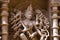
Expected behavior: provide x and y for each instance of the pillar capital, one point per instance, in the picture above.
(54, 4)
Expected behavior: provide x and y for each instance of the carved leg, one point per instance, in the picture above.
(23, 37)
(38, 31)
(42, 38)
(46, 37)
(33, 34)
(34, 37)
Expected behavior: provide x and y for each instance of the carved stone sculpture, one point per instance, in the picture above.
(28, 28)
(43, 25)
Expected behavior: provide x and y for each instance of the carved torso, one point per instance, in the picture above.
(28, 24)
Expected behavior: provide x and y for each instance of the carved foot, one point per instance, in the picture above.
(23, 37)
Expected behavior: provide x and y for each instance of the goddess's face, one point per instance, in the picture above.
(28, 16)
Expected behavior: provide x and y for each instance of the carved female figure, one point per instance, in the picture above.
(28, 23)
(26, 28)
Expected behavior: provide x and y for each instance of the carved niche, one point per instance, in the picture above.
(28, 25)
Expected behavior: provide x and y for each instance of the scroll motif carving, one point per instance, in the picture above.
(29, 25)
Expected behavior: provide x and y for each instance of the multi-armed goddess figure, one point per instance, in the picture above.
(27, 27)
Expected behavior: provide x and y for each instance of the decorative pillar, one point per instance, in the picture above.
(5, 15)
(55, 27)
(55, 11)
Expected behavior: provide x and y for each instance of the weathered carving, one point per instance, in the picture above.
(43, 25)
(28, 28)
